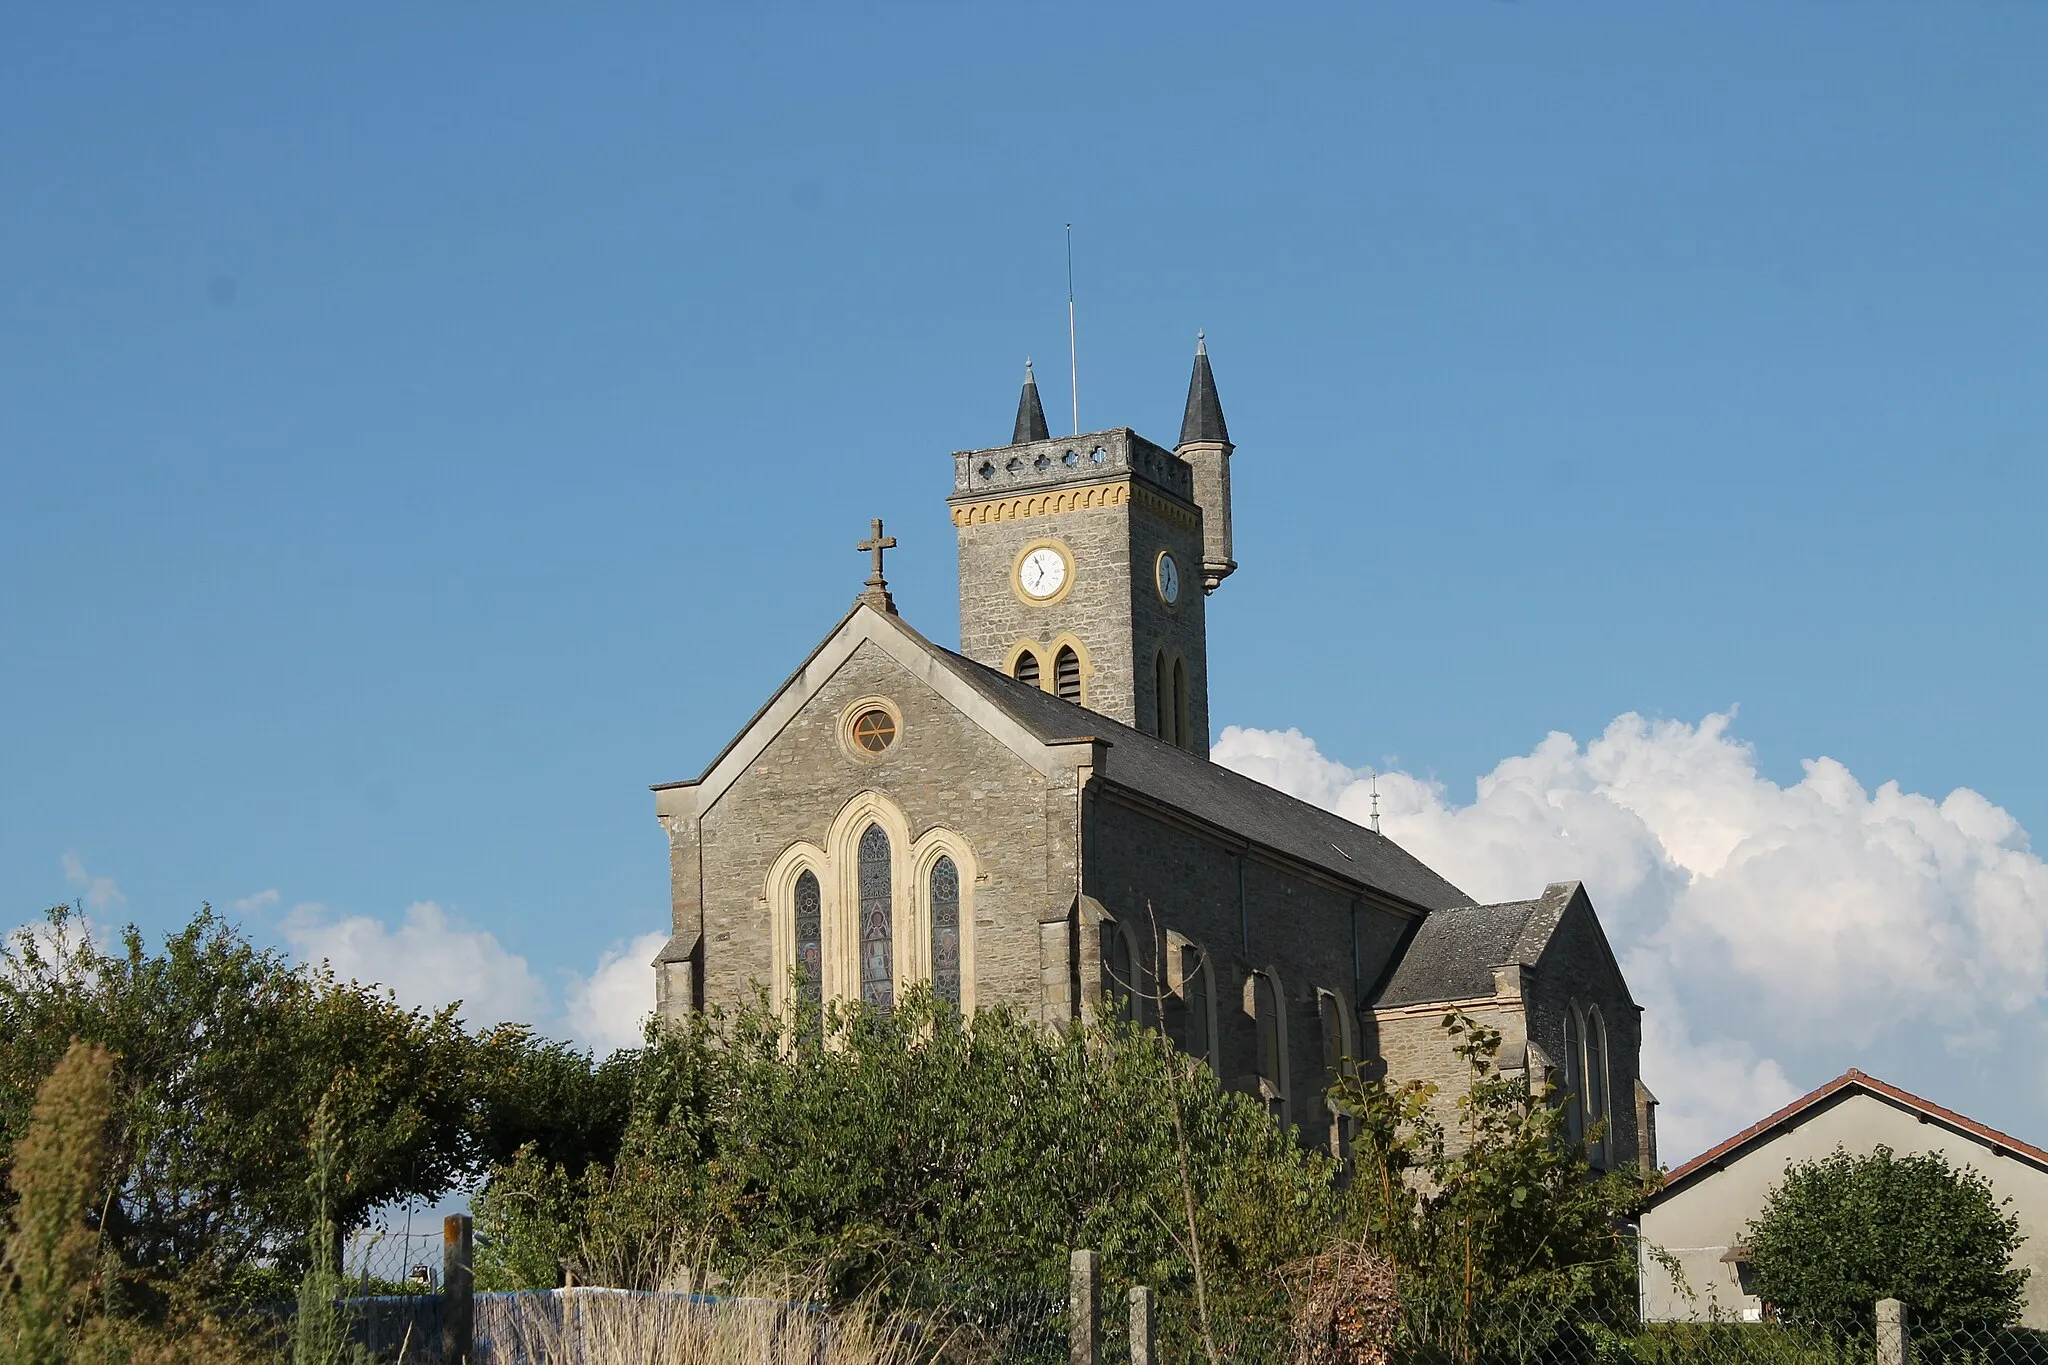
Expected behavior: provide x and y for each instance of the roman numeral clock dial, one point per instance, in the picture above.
(1042, 573)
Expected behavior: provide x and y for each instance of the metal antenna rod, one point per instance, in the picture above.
(1073, 356)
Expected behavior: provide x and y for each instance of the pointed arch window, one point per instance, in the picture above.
(810, 941)
(1599, 1141)
(1272, 1044)
(877, 920)
(1119, 987)
(1025, 670)
(1066, 674)
(1574, 1096)
(945, 902)
(1162, 697)
(1197, 997)
(1180, 702)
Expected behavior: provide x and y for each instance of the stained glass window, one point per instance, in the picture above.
(810, 950)
(877, 921)
(946, 931)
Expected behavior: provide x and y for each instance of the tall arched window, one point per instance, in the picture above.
(1180, 703)
(1026, 667)
(810, 941)
(1272, 1040)
(1066, 674)
(1598, 1117)
(1118, 986)
(877, 921)
(945, 902)
(1337, 1059)
(1195, 995)
(1574, 1060)
(1162, 697)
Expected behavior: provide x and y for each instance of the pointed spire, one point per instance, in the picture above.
(1030, 413)
(1203, 420)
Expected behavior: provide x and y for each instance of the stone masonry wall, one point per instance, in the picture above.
(942, 770)
(1300, 928)
(1575, 967)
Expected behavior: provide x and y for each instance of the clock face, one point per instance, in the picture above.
(1043, 572)
(1169, 579)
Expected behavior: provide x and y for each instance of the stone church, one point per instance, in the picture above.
(1033, 820)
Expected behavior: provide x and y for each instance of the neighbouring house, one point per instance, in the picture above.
(1700, 1215)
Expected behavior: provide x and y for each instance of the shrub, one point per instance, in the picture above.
(918, 1155)
(1839, 1233)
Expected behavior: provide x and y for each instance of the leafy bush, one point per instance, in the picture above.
(1841, 1232)
(226, 1051)
(916, 1156)
(1500, 1232)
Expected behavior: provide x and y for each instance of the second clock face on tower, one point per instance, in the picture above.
(1042, 573)
(1167, 575)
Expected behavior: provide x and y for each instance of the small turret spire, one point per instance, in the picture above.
(1030, 413)
(1203, 419)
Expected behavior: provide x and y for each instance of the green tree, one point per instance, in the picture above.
(227, 1050)
(1497, 1226)
(920, 1156)
(1841, 1232)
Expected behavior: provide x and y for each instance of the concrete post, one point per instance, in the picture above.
(1891, 1332)
(458, 1291)
(1141, 1326)
(1084, 1322)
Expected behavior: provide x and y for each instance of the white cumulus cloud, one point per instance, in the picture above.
(609, 1008)
(430, 959)
(1769, 931)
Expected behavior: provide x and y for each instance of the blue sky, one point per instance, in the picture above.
(419, 431)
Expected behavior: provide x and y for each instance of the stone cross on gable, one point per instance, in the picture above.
(877, 590)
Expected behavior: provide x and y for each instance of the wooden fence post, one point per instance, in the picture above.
(1142, 1322)
(1891, 1332)
(458, 1291)
(1084, 1322)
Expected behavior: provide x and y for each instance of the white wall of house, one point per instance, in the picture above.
(1698, 1222)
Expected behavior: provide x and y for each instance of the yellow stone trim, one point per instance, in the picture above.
(1056, 500)
(1044, 504)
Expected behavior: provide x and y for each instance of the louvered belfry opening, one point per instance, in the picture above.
(1026, 668)
(1066, 674)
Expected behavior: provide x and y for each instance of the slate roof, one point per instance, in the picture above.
(1214, 794)
(1454, 951)
(1203, 418)
(1152, 768)
(1030, 413)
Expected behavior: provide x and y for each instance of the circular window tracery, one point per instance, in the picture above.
(874, 730)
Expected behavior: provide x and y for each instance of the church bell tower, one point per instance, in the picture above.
(1086, 561)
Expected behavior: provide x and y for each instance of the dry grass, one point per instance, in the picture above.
(618, 1327)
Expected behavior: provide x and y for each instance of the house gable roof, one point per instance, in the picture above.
(1850, 1083)
(1045, 731)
